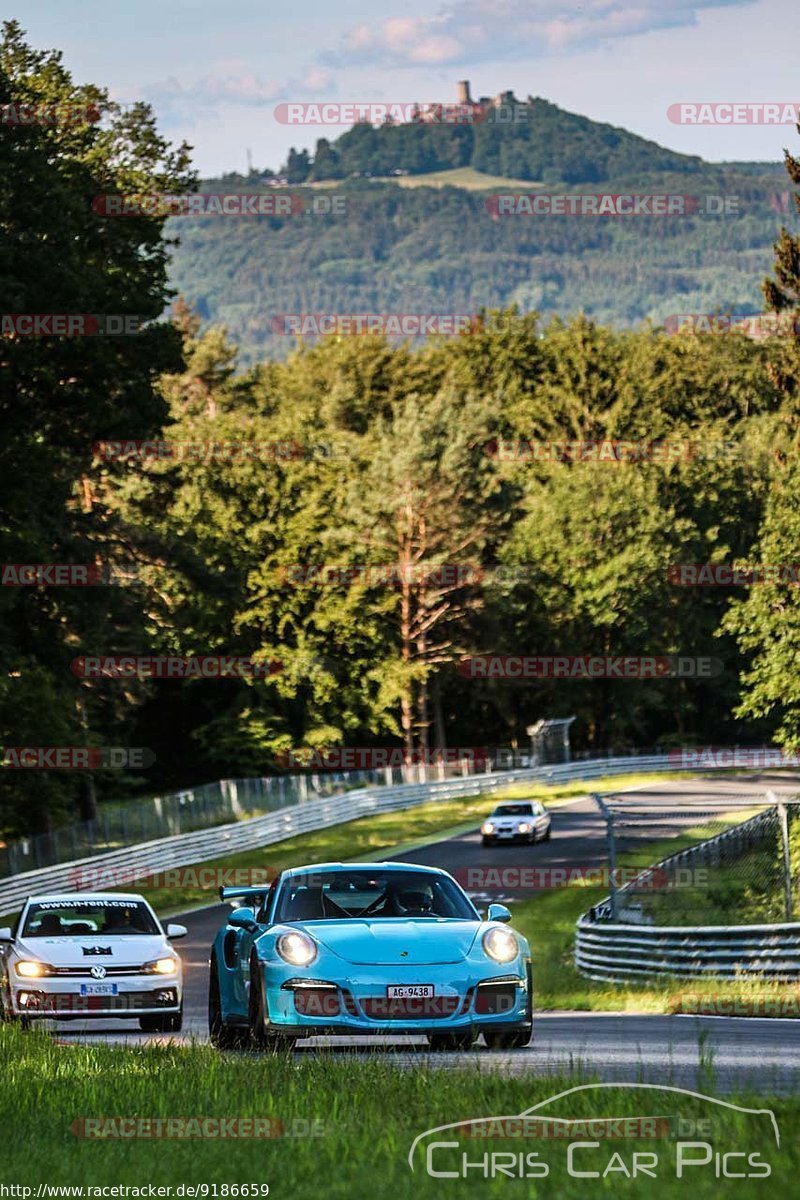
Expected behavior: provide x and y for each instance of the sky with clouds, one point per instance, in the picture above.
(214, 71)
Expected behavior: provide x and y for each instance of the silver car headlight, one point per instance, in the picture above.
(500, 944)
(524, 827)
(296, 948)
(487, 827)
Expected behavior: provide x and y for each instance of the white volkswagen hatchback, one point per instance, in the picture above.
(85, 955)
(517, 821)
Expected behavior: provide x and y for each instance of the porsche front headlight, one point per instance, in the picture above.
(500, 944)
(28, 969)
(296, 948)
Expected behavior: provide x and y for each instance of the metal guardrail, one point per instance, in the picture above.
(189, 849)
(227, 800)
(187, 811)
(617, 952)
(632, 953)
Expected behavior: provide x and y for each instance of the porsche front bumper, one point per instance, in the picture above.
(306, 1005)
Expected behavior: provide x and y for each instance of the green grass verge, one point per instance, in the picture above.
(364, 1115)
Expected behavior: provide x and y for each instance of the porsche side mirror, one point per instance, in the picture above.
(243, 918)
(499, 912)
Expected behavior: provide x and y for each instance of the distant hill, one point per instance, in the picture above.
(433, 245)
(542, 142)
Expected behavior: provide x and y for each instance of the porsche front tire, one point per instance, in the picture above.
(464, 1039)
(515, 1039)
(261, 1036)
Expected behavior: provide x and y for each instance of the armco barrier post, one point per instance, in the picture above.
(612, 851)
(787, 863)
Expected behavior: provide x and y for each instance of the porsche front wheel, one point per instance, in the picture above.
(515, 1039)
(261, 1035)
(464, 1039)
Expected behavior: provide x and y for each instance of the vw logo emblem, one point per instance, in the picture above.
(98, 972)
(404, 954)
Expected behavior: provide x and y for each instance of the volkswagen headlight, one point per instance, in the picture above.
(161, 966)
(500, 944)
(296, 948)
(28, 969)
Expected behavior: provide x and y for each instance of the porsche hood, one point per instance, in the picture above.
(396, 942)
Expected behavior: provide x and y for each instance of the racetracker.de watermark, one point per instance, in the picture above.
(544, 1128)
(77, 758)
(388, 324)
(608, 451)
(522, 877)
(444, 575)
(736, 112)
(218, 204)
(608, 204)
(165, 666)
(100, 878)
(522, 668)
(717, 1004)
(282, 450)
(197, 1129)
(753, 325)
(727, 575)
(70, 324)
(25, 113)
(65, 574)
(756, 758)
(377, 758)
(354, 112)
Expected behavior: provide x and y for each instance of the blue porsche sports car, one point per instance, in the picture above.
(367, 948)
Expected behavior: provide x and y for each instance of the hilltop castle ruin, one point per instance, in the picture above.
(463, 97)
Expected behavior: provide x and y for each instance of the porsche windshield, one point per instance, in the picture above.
(371, 894)
(79, 918)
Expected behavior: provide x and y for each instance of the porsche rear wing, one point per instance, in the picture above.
(242, 893)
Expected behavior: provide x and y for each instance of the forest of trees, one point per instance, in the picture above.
(395, 460)
(440, 250)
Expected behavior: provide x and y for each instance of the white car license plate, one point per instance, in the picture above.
(410, 991)
(98, 989)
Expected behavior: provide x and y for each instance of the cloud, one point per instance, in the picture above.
(230, 82)
(491, 30)
(317, 79)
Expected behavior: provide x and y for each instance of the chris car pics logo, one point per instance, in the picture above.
(662, 1132)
